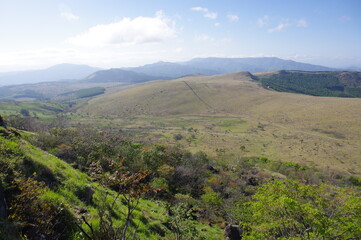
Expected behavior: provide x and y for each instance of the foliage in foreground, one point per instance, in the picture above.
(192, 191)
(290, 210)
(60, 198)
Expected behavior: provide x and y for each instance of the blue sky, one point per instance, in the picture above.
(115, 33)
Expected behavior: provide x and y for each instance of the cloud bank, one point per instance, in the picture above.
(140, 30)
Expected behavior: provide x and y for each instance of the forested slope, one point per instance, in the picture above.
(327, 84)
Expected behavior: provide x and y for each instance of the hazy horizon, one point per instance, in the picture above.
(104, 68)
(111, 34)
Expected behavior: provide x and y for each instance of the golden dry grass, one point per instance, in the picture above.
(234, 115)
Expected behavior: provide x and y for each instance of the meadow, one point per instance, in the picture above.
(233, 115)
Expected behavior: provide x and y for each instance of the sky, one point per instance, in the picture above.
(36, 34)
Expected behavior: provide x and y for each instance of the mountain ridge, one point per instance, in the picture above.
(63, 71)
(159, 70)
(214, 66)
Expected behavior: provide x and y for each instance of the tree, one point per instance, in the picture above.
(2, 122)
(25, 112)
(181, 216)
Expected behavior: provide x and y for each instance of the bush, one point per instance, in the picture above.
(178, 137)
(355, 181)
(292, 210)
(25, 112)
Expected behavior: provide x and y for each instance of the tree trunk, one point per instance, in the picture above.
(3, 212)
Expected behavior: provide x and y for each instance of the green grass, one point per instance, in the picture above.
(66, 186)
(233, 124)
(89, 92)
(39, 109)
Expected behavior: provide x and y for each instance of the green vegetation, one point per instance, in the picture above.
(326, 84)
(291, 210)
(107, 187)
(355, 92)
(68, 197)
(41, 110)
(89, 92)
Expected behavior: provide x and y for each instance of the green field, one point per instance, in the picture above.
(37, 109)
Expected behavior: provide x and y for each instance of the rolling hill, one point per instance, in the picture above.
(172, 70)
(118, 75)
(233, 114)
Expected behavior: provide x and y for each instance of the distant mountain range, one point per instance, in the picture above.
(204, 66)
(159, 70)
(229, 65)
(58, 72)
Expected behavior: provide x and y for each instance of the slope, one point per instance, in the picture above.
(66, 192)
(233, 114)
(118, 75)
(172, 70)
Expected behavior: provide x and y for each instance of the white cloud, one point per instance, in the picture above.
(263, 21)
(280, 27)
(302, 23)
(69, 16)
(217, 24)
(232, 17)
(207, 13)
(199, 9)
(128, 31)
(211, 15)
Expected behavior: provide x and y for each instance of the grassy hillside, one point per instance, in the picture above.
(47, 197)
(82, 93)
(104, 186)
(233, 115)
(39, 109)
